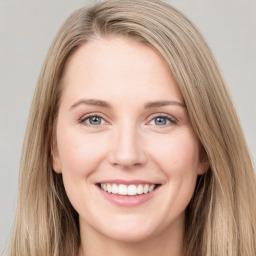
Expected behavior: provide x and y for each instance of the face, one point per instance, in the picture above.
(124, 142)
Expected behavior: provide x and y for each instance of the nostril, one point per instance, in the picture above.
(127, 152)
(128, 161)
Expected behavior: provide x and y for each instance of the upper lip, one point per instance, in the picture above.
(126, 182)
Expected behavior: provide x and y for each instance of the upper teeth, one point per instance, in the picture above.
(130, 190)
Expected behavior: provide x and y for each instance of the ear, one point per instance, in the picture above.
(203, 162)
(55, 157)
(202, 168)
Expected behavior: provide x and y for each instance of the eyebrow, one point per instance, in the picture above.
(101, 103)
(93, 102)
(164, 103)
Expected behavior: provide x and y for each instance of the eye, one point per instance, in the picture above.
(94, 120)
(162, 120)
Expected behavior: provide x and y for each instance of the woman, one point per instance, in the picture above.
(133, 145)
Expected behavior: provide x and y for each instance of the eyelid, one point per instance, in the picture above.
(86, 116)
(172, 119)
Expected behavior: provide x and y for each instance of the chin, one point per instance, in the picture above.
(134, 236)
(130, 231)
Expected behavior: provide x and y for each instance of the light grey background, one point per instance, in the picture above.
(27, 29)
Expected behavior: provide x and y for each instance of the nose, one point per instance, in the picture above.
(127, 149)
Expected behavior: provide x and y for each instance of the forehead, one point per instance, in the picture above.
(119, 67)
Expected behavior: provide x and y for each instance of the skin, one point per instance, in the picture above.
(128, 144)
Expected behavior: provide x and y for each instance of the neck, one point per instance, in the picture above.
(166, 243)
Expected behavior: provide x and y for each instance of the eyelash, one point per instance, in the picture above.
(169, 118)
(87, 117)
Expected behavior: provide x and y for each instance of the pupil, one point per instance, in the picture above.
(95, 120)
(160, 120)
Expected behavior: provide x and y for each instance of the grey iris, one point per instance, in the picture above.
(160, 120)
(95, 120)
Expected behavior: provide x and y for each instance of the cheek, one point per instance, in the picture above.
(178, 158)
(79, 153)
(177, 154)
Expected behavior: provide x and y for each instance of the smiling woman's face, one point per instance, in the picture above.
(123, 127)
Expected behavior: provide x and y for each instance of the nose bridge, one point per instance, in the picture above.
(127, 149)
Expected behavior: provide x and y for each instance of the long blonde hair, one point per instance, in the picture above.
(221, 217)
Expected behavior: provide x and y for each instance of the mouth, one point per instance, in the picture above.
(130, 190)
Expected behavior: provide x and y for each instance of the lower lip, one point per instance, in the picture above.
(128, 201)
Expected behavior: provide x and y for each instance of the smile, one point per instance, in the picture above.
(127, 194)
(131, 190)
